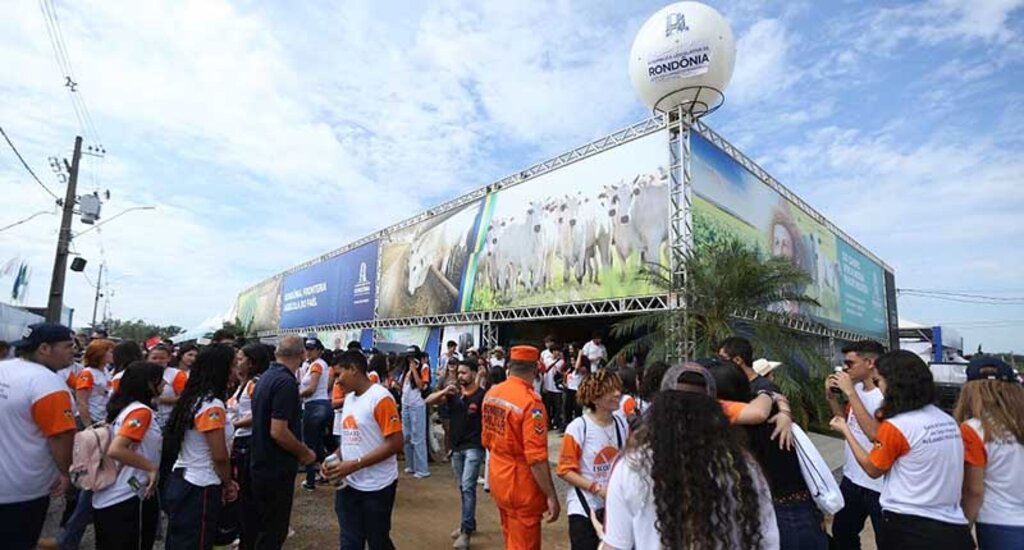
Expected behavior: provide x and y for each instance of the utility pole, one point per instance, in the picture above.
(96, 301)
(60, 261)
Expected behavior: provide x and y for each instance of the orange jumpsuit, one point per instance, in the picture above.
(515, 431)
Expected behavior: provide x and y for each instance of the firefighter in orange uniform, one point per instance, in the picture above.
(515, 431)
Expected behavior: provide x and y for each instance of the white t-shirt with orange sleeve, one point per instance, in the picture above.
(322, 391)
(245, 407)
(174, 384)
(1003, 460)
(35, 405)
(589, 450)
(922, 455)
(195, 455)
(137, 422)
(367, 420)
(97, 383)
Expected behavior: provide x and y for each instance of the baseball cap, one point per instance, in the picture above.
(314, 343)
(42, 333)
(990, 367)
(689, 377)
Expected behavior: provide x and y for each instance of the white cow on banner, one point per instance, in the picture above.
(438, 247)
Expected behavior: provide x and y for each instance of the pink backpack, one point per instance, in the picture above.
(91, 468)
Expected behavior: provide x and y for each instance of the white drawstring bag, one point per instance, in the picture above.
(817, 475)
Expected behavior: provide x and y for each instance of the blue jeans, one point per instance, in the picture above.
(800, 526)
(365, 518)
(999, 537)
(74, 529)
(316, 415)
(414, 434)
(466, 465)
(849, 522)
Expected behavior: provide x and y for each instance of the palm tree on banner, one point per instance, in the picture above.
(733, 289)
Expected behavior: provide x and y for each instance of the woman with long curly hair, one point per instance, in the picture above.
(198, 434)
(991, 415)
(589, 448)
(685, 480)
(920, 452)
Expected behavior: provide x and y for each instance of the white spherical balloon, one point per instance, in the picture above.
(683, 55)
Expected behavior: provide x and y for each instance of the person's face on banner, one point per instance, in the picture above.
(782, 241)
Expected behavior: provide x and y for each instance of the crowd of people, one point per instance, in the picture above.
(207, 445)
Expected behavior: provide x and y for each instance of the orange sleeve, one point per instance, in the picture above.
(179, 382)
(974, 447)
(535, 433)
(891, 445)
(115, 385)
(210, 419)
(72, 380)
(732, 409)
(374, 377)
(85, 381)
(250, 387)
(52, 413)
(386, 415)
(316, 368)
(569, 456)
(425, 376)
(337, 393)
(135, 424)
(629, 407)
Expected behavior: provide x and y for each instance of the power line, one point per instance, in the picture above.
(25, 164)
(961, 294)
(964, 300)
(67, 71)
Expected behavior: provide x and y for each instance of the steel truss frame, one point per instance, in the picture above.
(680, 124)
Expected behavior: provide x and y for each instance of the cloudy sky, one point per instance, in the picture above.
(268, 133)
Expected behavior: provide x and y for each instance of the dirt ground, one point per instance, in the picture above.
(426, 512)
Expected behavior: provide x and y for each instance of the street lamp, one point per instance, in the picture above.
(114, 217)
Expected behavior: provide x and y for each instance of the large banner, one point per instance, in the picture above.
(260, 306)
(423, 266)
(335, 291)
(581, 232)
(730, 202)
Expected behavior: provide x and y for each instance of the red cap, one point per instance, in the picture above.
(525, 354)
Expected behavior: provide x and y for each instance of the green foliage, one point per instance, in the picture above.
(140, 330)
(239, 328)
(734, 289)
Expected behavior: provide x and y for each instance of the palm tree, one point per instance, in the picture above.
(733, 289)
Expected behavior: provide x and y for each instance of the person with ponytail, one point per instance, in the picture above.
(991, 416)
(126, 512)
(197, 434)
(685, 480)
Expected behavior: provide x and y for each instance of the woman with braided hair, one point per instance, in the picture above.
(685, 480)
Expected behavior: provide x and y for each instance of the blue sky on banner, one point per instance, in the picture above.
(269, 133)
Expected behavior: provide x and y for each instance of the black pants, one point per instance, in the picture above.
(272, 494)
(192, 513)
(365, 518)
(861, 503)
(246, 504)
(128, 525)
(553, 403)
(581, 533)
(22, 522)
(906, 532)
(570, 409)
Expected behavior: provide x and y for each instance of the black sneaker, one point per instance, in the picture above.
(308, 486)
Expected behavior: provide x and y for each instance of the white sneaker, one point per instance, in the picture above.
(421, 476)
(461, 543)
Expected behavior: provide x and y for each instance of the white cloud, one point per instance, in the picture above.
(763, 69)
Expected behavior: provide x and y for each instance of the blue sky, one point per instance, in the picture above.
(268, 133)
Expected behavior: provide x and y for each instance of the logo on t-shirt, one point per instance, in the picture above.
(603, 463)
(350, 431)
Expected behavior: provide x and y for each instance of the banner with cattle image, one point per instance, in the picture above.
(581, 232)
(423, 266)
(731, 202)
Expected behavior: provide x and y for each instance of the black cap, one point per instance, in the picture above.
(313, 342)
(42, 333)
(990, 367)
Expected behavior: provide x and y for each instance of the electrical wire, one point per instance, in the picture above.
(64, 65)
(25, 164)
(961, 295)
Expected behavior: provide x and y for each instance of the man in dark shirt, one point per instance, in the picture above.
(276, 452)
(464, 403)
(738, 351)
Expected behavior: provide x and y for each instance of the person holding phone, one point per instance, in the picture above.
(415, 380)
